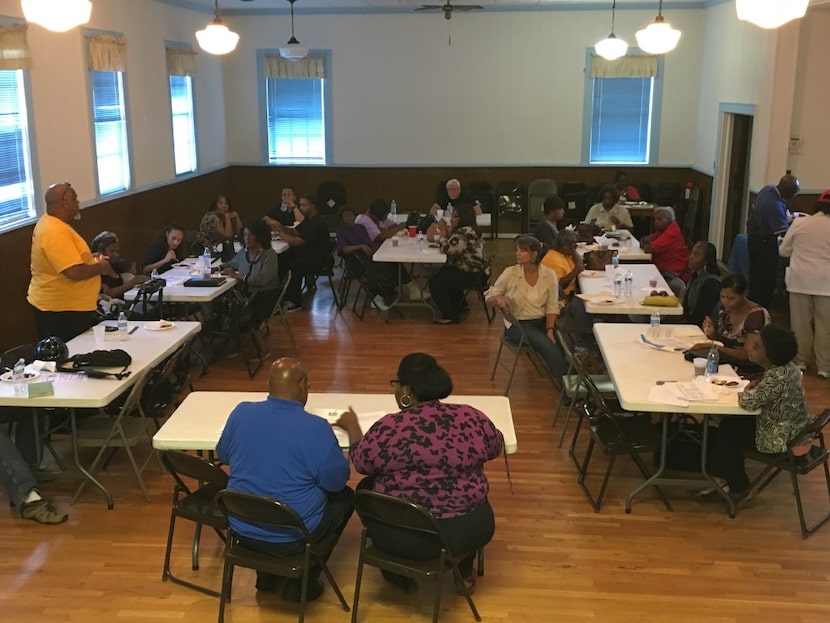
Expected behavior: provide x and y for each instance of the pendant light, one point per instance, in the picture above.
(57, 15)
(216, 38)
(611, 48)
(292, 50)
(770, 13)
(658, 37)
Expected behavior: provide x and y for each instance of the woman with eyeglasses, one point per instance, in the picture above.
(432, 453)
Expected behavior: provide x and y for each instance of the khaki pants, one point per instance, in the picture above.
(810, 320)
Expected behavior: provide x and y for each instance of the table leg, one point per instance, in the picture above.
(660, 468)
(76, 457)
(704, 451)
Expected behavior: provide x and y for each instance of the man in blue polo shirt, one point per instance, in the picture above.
(277, 449)
(768, 219)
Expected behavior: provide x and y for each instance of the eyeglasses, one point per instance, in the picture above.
(394, 382)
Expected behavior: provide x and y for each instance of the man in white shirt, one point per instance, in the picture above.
(807, 244)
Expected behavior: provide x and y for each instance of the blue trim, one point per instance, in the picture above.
(30, 112)
(736, 109)
(263, 107)
(178, 45)
(183, 45)
(587, 5)
(462, 165)
(91, 32)
(656, 112)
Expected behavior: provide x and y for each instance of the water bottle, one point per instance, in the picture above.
(654, 324)
(618, 286)
(393, 208)
(206, 259)
(629, 284)
(19, 377)
(420, 242)
(123, 327)
(154, 274)
(615, 259)
(712, 360)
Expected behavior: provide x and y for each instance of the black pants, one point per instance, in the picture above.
(301, 267)
(447, 288)
(725, 458)
(763, 268)
(465, 533)
(339, 508)
(65, 324)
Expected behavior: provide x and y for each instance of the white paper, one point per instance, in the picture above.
(664, 395)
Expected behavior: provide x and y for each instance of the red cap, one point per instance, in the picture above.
(824, 197)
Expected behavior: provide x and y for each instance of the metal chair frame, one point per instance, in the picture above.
(522, 348)
(198, 505)
(269, 512)
(406, 515)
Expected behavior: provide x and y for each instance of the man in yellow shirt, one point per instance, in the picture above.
(66, 276)
(563, 259)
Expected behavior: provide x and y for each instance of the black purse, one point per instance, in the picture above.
(87, 363)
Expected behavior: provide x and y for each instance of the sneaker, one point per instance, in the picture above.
(380, 303)
(292, 588)
(290, 307)
(43, 512)
(824, 374)
(800, 364)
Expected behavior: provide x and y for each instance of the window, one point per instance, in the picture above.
(296, 133)
(16, 186)
(622, 109)
(621, 120)
(184, 124)
(110, 123)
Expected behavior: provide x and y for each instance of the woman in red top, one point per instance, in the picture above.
(666, 245)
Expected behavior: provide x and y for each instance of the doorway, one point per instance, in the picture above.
(731, 194)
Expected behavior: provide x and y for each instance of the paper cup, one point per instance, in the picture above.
(700, 366)
(394, 241)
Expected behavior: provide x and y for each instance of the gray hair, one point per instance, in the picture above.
(668, 210)
(564, 237)
(453, 181)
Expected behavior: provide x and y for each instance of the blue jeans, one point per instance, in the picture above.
(541, 343)
(15, 474)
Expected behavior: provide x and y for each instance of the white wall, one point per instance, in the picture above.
(810, 110)
(509, 90)
(63, 140)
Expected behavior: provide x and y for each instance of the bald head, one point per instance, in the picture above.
(288, 380)
(788, 186)
(62, 201)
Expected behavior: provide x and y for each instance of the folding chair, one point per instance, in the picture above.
(143, 307)
(166, 382)
(377, 509)
(265, 511)
(575, 387)
(279, 312)
(796, 465)
(522, 348)
(616, 435)
(124, 430)
(196, 504)
(325, 270)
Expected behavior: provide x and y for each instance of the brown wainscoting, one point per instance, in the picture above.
(137, 218)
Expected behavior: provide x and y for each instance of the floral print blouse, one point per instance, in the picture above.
(734, 335)
(780, 397)
(432, 454)
(465, 251)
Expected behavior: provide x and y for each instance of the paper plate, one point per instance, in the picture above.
(604, 301)
(159, 325)
(593, 273)
(28, 377)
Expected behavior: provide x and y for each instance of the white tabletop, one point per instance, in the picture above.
(482, 220)
(279, 245)
(176, 292)
(198, 422)
(147, 348)
(596, 284)
(634, 368)
(628, 252)
(407, 252)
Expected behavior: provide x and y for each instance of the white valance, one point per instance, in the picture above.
(312, 66)
(14, 50)
(181, 62)
(106, 53)
(633, 66)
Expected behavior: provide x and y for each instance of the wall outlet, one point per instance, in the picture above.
(795, 146)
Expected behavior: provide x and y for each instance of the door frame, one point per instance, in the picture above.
(723, 157)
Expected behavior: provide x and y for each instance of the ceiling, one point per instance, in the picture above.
(254, 7)
(231, 7)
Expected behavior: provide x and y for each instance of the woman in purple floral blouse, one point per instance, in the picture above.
(432, 453)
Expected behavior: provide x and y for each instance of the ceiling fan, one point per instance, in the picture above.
(448, 8)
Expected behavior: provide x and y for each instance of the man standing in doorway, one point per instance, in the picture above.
(66, 276)
(768, 219)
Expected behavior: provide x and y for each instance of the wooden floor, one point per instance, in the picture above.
(552, 558)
